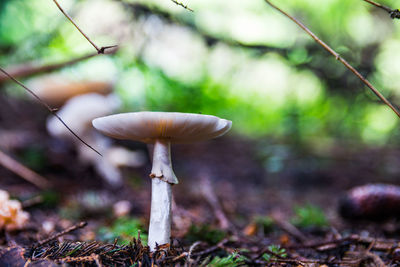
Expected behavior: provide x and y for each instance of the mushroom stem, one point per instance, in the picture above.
(161, 194)
(160, 215)
(162, 165)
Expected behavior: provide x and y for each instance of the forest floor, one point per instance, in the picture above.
(239, 202)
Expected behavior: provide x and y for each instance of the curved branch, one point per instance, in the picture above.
(339, 58)
(27, 69)
(182, 5)
(100, 50)
(394, 13)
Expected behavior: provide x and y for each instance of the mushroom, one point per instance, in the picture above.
(162, 129)
(122, 157)
(78, 114)
(55, 90)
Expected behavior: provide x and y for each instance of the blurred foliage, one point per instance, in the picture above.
(266, 222)
(205, 233)
(309, 216)
(236, 59)
(34, 157)
(50, 199)
(124, 229)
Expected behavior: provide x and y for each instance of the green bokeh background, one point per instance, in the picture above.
(236, 59)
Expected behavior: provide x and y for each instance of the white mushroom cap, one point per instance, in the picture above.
(78, 113)
(172, 126)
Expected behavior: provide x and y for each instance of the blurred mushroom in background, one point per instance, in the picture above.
(122, 157)
(77, 113)
(55, 90)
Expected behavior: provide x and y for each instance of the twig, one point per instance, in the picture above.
(187, 254)
(182, 5)
(394, 13)
(51, 110)
(374, 244)
(289, 228)
(32, 202)
(209, 195)
(181, 256)
(99, 50)
(211, 249)
(338, 57)
(66, 231)
(23, 171)
(27, 69)
(336, 242)
(298, 262)
(192, 247)
(354, 258)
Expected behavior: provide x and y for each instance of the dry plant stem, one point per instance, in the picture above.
(50, 109)
(66, 231)
(338, 57)
(182, 5)
(209, 250)
(378, 5)
(99, 50)
(394, 13)
(23, 71)
(23, 171)
(289, 228)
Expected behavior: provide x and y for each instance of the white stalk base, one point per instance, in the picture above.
(160, 217)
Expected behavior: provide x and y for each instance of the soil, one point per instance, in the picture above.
(225, 185)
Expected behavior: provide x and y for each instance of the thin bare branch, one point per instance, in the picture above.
(27, 69)
(23, 171)
(288, 227)
(208, 192)
(182, 5)
(338, 57)
(100, 50)
(51, 110)
(394, 13)
(66, 231)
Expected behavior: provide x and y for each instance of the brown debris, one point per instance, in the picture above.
(23, 171)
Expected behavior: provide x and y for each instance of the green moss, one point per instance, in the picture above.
(205, 233)
(124, 229)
